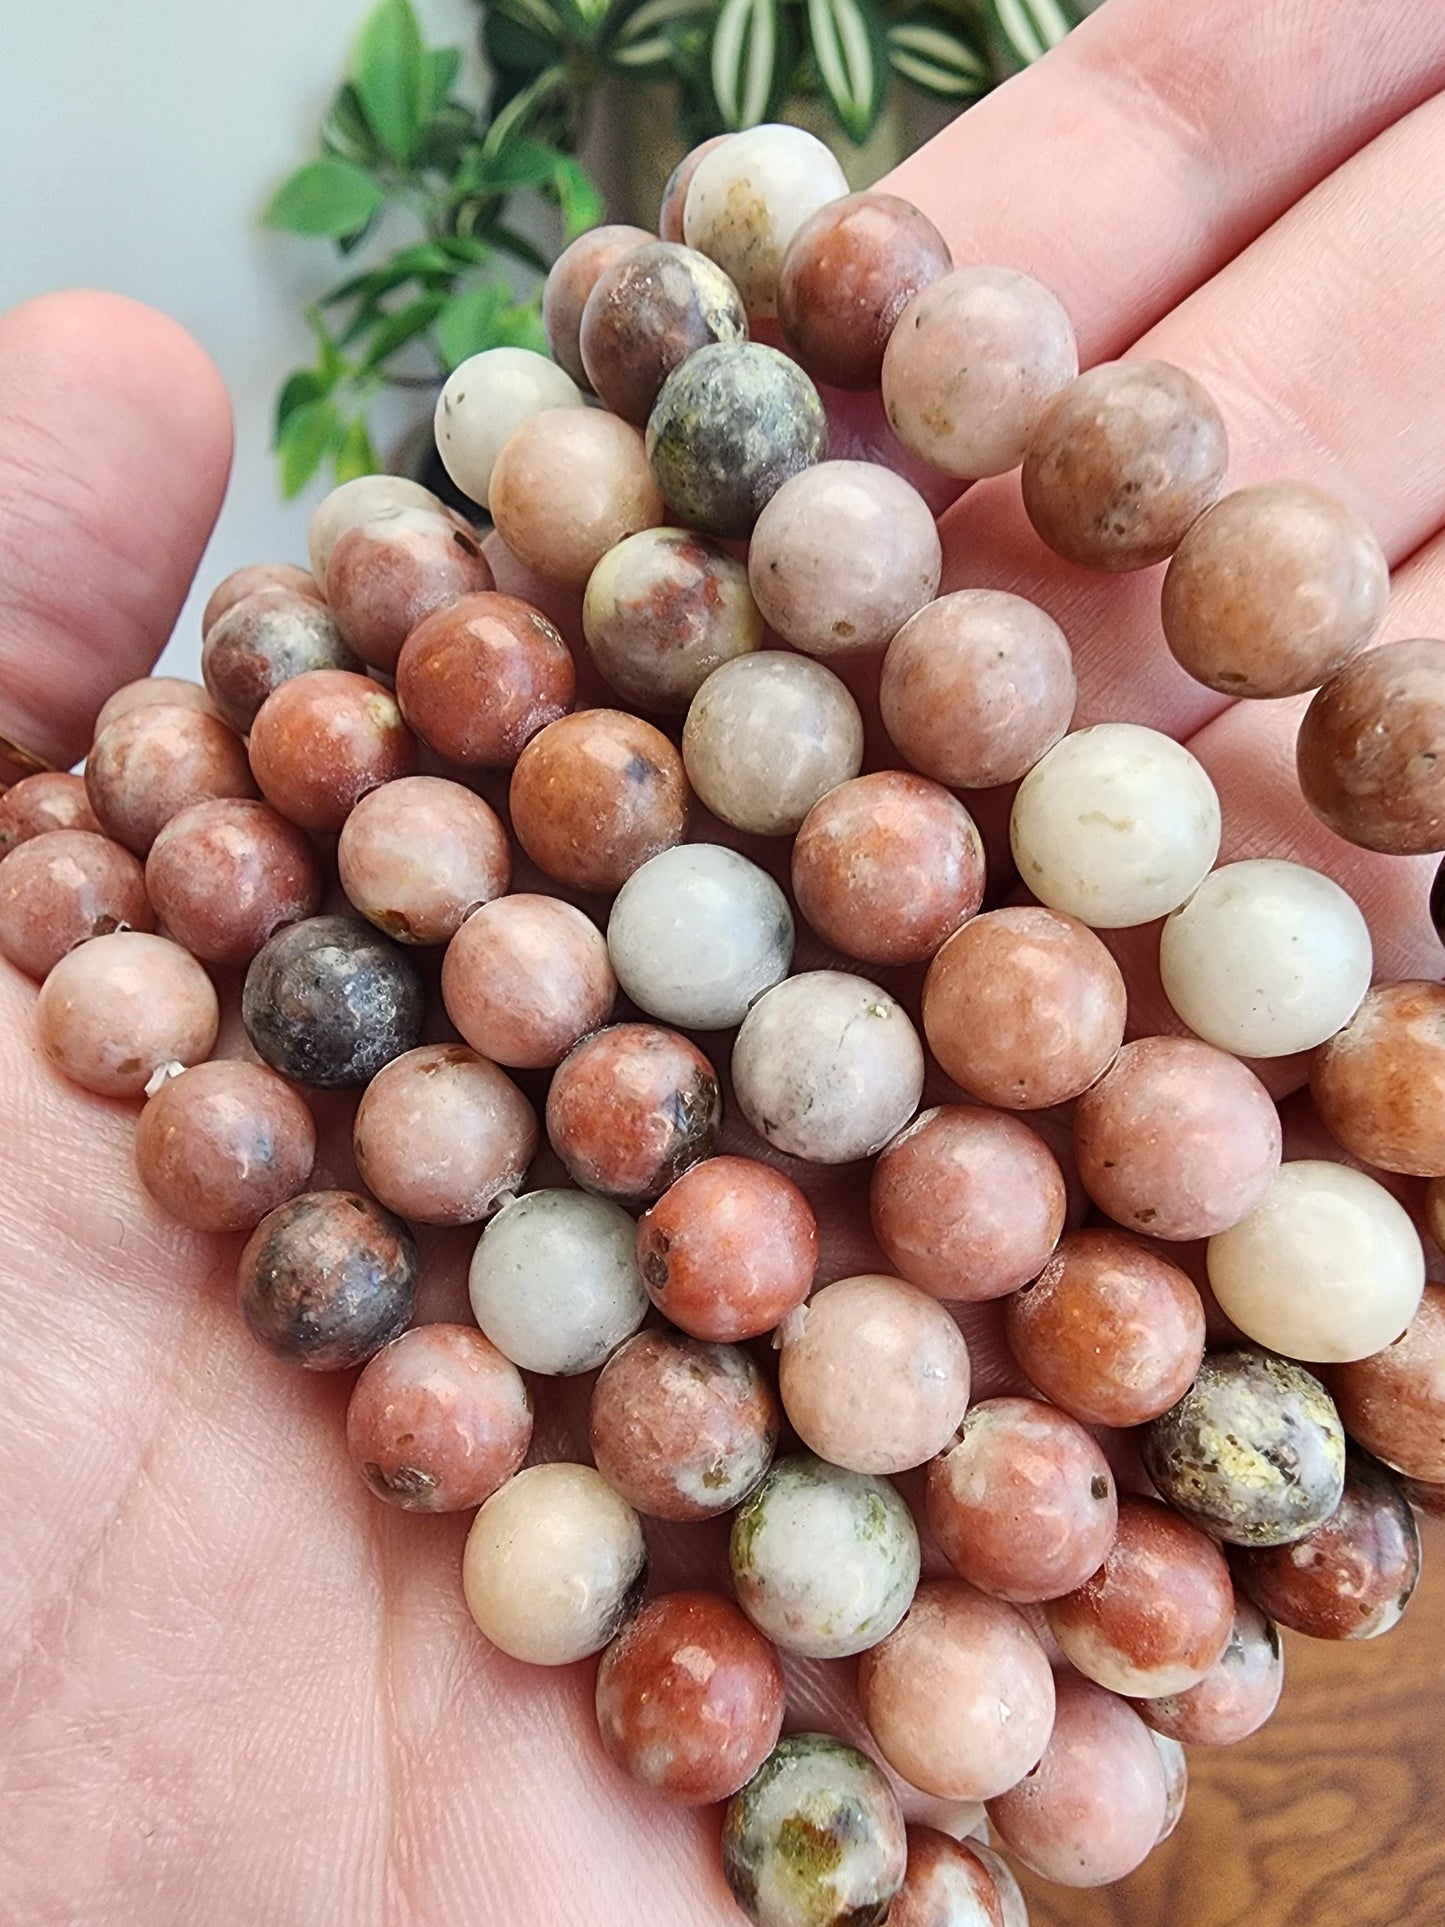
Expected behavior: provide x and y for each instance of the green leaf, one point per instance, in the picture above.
(1030, 27)
(579, 200)
(303, 441)
(934, 52)
(355, 453)
(747, 44)
(507, 125)
(852, 57)
(520, 326)
(518, 246)
(389, 72)
(303, 386)
(539, 17)
(399, 328)
(346, 130)
(584, 18)
(644, 44)
(468, 323)
(441, 66)
(324, 197)
(426, 262)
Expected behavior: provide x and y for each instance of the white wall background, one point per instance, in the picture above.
(138, 143)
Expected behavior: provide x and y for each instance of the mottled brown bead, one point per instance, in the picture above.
(467, 859)
(947, 1885)
(595, 795)
(1393, 1403)
(261, 642)
(1435, 1210)
(1122, 463)
(327, 1279)
(662, 611)
(441, 1135)
(568, 485)
(690, 1698)
(849, 272)
(224, 1143)
(967, 1203)
(151, 763)
(682, 1429)
(476, 681)
(62, 887)
(525, 977)
(729, 1249)
(646, 314)
(1273, 590)
(51, 800)
(1157, 1615)
(674, 194)
(240, 583)
(1368, 752)
(1024, 1007)
(1177, 1139)
(630, 1108)
(1109, 1330)
(386, 574)
(1379, 1084)
(570, 280)
(1352, 1577)
(148, 691)
(1024, 1505)
(1235, 1697)
(438, 1420)
(115, 1009)
(322, 740)
(225, 875)
(886, 867)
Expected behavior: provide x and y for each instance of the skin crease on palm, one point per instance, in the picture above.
(236, 1688)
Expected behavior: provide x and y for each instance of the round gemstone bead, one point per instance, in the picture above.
(525, 977)
(947, 1884)
(1175, 1762)
(690, 1698)
(959, 1696)
(652, 308)
(663, 609)
(815, 1838)
(441, 1135)
(1393, 1403)
(567, 485)
(1024, 1505)
(476, 681)
(766, 737)
(50, 800)
(823, 1560)
(697, 933)
(485, 401)
(438, 1420)
(1116, 825)
(62, 887)
(357, 501)
(570, 280)
(148, 764)
(1122, 463)
(728, 429)
(674, 193)
(1379, 1084)
(977, 687)
(682, 1429)
(1368, 752)
(967, 1203)
(1237, 1694)
(630, 1108)
(748, 198)
(1327, 1267)
(973, 362)
(224, 1143)
(327, 1279)
(1273, 590)
(468, 861)
(729, 1249)
(111, 1012)
(827, 1067)
(595, 795)
(240, 583)
(264, 640)
(1267, 958)
(554, 1281)
(322, 740)
(226, 874)
(145, 693)
(1254, 1452)
(849, 272)
(329, 1001)
(387, 574)
(555, 1565)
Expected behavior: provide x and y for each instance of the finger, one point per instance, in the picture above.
(1320, 345)
(115, 438)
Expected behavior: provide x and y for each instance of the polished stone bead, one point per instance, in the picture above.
(63, 887)
(663, 609)
(1379, 1084)
(554, 1281)
(766, 737)
(748, 198)
(476, 681)
(116, 1009)
(322, 740)
(328, 1001)
(264, 640)
(595, 795)
(224, 1143)
(568, 485)
(1368, 752)
(652, 308)
(484, 402)
(327, 1279)
(442, 1136)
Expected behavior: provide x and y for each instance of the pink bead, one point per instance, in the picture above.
(467, 860)
(386, 574)
(948, 1884)
(595, 795)
(525, 977)
(110, 1013)
(149, 692)
(62, 887)
(53, 800)
(322, 740)
(242, 582)
(729, 1249)
(225, 875)
(151, 763)
(674, 195)
(1393, 1403)
(441, 1135)
(630, 1108)
(264, 640)
(1235, 1697)
(478, 679)
(570, 280)
(567, 486)
(224, 1143)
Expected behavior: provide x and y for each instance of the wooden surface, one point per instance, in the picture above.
(1332, 1816)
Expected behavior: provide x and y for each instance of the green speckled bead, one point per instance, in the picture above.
(824, 1561)
(815, 1838)
(730, 426)
(1254, 1452)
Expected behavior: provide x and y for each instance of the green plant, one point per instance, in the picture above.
(398, 146)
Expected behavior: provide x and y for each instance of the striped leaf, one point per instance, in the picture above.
(934, 52)
(644, 43)
(851, 54)
(1030, 27)
(747, 46)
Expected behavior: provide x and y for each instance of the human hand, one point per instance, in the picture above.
(238, 1688)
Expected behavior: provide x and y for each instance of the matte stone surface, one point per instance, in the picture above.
(114, 1010)
(385, 575)
(327, 1279)
(322, 740)
(150, 763)
(329, 1001)
(51, 800)
(595, 795)
(554, 1281)
(467, 860)
(647, 312)
(62, 887)
(663, 610)
(1235, 1697)
(567, 486)
(525, 977)
(1379, 1084)
(226, 874)
(441, 1135)
(476, 681)
(674, 194)
(485, 401)
(1369, 749)
(1393, 1403)
(262, 641)
(729, 1249)
(766, 737)
(148, 691)
(748, 198)
(570, 280)
(947, 1885)
(357, 501)
(244, 581)
(224, 1143)
(630, 1108)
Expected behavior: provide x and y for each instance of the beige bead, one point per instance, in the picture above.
(485, 401)
(874, 1374)
(569, 485)
(748, 198)
(766, 736)
(554, 1564)
(357, 501)
(441, 1135)
(113, 1011)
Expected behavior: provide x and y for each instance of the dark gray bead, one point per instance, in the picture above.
(329, 1000)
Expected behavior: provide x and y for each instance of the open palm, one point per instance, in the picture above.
(239, 1690)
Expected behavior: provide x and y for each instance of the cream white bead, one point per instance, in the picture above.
(1267, 958)
(697, 933)
(554, 1281)
(749, 197)
(766, 736)
(1327, 1267)
(1116, 825)
(358, 501)
(485, 401)
(554, 1564)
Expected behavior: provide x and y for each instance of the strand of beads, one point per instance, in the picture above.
(394, 698)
